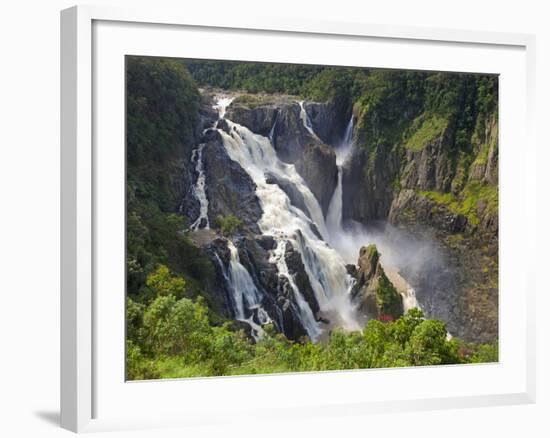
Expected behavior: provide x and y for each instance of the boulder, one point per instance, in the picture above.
(259, 120)
(229, 189)
(297, 269)
(374, 293)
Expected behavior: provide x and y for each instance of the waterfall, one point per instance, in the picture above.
(306, 120)
(272, 131)
(409, 300)
(199, 190)
(324, 266)
(303, 310)
(245, 296)
(221, 105)
(334, 214)
(348, 136)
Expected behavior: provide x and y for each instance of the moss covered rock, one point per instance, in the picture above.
(377, 297)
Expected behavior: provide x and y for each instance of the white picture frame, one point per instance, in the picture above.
(86, 386)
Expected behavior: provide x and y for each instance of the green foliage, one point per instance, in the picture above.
(388, 300)
(162, 111)
(427, 344)
(162, 105)
(228, 224)
(163, 283)
(430, 129)
(484, 353)
(467, 203)
(177, 340)
(177, 326)
(252, 100)
(312, 81)
(170, 328)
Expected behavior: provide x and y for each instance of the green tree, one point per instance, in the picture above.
(164, 283)
(427, 344)
(228, 224)
(174, 326)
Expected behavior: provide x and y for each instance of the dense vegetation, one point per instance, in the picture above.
(174, 337)
(395, 109)
(162, 110)
(175, 322)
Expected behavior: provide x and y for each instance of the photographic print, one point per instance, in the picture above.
(287, 218)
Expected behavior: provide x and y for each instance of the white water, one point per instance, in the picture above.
(334, 214)
(324, 266)
(199, 189)
(272, 131)
(221, 105)
(246, 296)
(409, 299)
(306, 120)
(304, 311)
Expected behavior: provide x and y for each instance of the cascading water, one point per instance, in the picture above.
(334, 214)
(272, 131)
(246, 297)
(409, 299)
(287, 224)
(325, 268)
(199, 190)
(302, 307)
(306, 120)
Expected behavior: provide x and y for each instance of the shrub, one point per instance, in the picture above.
(228, 224)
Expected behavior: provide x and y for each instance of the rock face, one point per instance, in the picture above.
(469, 273)
(295, 196)
(187, 203)
(229, 188)
(375, 294)
(431, 167)
(329, 120)
(315, 160)
(431, 190)
(367, 182)
(278, 299)
(298, 272)
(318, 168)
(258, 120)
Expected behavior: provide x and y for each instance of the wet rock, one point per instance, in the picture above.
(259, 120)
(329, 120)
(297, 269)
(374, 293)
(318, 168)
(229, 188)
(367, 182)
(266, 242)
(315, 161)
(290, 189)
(290, 136)
(223, 125)
(352, 270)
(291, 325)
(207, 117)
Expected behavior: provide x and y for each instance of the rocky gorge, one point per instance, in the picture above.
(386, 195)
(314, 214)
